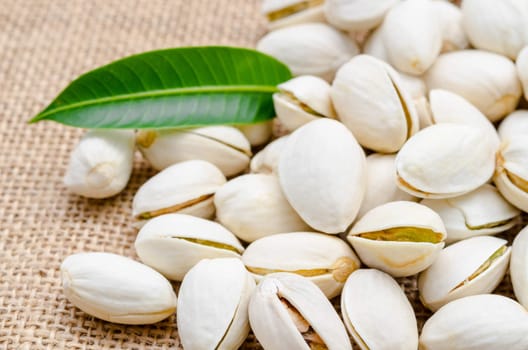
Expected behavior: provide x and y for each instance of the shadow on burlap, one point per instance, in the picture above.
(43, 46)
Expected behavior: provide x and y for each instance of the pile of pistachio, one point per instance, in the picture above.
(263, 242)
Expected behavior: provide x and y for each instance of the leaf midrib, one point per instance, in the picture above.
(158, 93)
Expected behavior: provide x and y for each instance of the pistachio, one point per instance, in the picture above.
(522, 70)
(377, 313)
(287, 311)
(324, 181)
(283, 13)
(429, 167)
(519, 267)
(368, 93)
(480, 212)
(173, 243)
(257, 134)
(356, 15)
(414, 85)
(401, 238)
(325, 260)
(450, 17)
(101, 164)
(116, 289)
(472, 266)
(326, 47)
(224, 146)
(374, 45)
(267, 160)
(478, 322)
(186, 188)
(212, 305)
(487, 80)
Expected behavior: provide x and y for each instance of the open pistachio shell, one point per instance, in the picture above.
(287, 311)
(356, 15)
(472, 266)
(325, 260)
(185, 188)
(445, 160)
(480, 212)
(377, 312)
(224, 146)
(522, 69)
(401, 238)
(173, 243)
(450, 17)
(267, 160)
(487, 80)
(519, 267)
(511, 174)
(283, 13)
(367, 94)
(477, 322)
(301, 100)
(212, 305)
(309, 49)
(324, 181)
(253, 206)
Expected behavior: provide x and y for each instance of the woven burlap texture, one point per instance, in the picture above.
(44, 44)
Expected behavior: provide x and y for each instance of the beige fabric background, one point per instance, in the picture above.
(44, 44)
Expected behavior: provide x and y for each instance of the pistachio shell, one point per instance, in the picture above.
(186, 187)
(324, 181)
(224, 146)
(450, 17)
(257, 134)
(377, 313)
(325, 260)
(173, 243)
(401, 238)
(267, 160)
(101, 163)
(356, 15)
(287, 311)
(487, 80)
(253, 206)
(445, 160)
(283, 13)
(368, 94)
(412, 35)
(116, 289)
(480, 212)
(212, 305)
(309, 49)
(381, 183)
(374, 45)
(472, 266)
(478, 322)
(515, 124)
(497, 26)
(519, 267)
(522, 69)
(414, 85)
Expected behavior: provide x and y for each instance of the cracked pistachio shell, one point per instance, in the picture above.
(101, 163)
(522, 69)
(480, 212)
(257, 134)
(450, 17)
(224, 146)
(212, 305)
(186, 188)
(174, 243)
(325, 260)
(283, 13)
(401, 238)
(370, 100)
(267, 160)
(356, 15)
(487, 80)
(497, 26)
(519, 267)
(117, 289)
(472, 266)
(412, 35)
(309, 49)
(287, 311)
(445, 160)
(377, 312)
(478, 322)
(381, 183)
(301, 100)
(253, 206)
(324, 181)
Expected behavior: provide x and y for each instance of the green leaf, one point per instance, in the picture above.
(179, 87)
